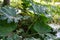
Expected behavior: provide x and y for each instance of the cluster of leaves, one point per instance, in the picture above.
(31, 22)
(8, 20)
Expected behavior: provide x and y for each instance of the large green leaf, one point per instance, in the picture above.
(10, 14)
(38, 9)
(8, 19)
(6, 28)
(41, 28)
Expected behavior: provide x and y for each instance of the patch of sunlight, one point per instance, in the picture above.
(1, 0)
(43, 2)
(38, 1)
(57, 3)
(54, 26)
(58, 35)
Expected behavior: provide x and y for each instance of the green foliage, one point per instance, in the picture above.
(8, 20)
(31, 22)
(40, 25)
(6, 28)
(10, 14)
(57, 0)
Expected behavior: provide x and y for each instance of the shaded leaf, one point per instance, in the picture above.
(41, 28)
(6, 28)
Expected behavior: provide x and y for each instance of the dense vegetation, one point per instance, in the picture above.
(29, 20)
